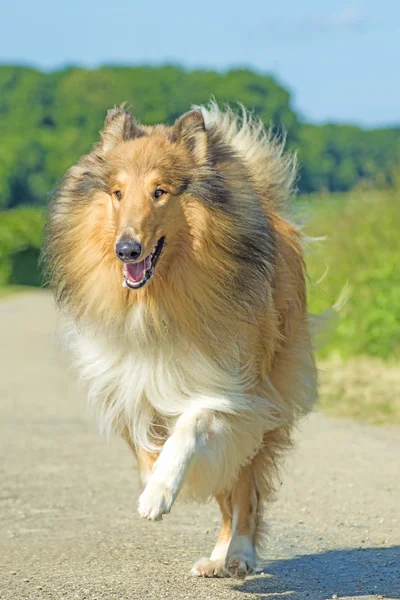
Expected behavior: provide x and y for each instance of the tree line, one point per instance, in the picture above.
(47, 120)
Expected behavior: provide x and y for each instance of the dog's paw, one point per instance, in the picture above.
(239, 566)
(155, 501)
(205, 567)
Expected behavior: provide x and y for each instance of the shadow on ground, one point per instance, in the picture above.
(344, 573)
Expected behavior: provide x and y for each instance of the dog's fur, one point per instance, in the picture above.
(206, 368)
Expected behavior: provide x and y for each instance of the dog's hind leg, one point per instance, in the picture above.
(241, 557)
(215, 565)
(145, 459)
(234, 554)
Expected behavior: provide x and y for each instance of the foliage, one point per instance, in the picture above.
(338, 157)
(48, 120)
(20, 241)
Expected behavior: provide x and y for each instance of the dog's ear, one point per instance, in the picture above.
(190, 130)
(119, 126)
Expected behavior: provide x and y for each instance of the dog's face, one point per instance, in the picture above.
(148, 173)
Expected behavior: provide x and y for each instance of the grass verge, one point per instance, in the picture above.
(364, 388)
(8, 290)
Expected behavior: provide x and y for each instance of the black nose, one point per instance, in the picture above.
(128, 250)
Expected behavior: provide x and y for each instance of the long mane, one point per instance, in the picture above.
(273, 169)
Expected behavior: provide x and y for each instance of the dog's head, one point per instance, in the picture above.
(147, 171)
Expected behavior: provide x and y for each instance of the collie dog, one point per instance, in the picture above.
(182, 281)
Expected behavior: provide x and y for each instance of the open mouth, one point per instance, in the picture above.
(136, 275)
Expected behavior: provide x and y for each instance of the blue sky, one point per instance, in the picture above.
(341, 60)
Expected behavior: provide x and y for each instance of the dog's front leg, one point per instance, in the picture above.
(188, 437)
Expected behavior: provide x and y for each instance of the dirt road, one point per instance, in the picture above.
(68, 522)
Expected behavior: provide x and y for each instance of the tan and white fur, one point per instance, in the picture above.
(205, 369)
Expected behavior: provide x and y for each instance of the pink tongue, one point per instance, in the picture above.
(136, 271)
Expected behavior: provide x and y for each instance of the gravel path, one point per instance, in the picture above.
(68, 522)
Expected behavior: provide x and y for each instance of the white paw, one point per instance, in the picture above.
(239, 566)
(205, 567)
(155, 501)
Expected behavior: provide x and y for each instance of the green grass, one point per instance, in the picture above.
(362, 251)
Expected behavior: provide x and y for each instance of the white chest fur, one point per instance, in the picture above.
(136, 377)
(141, 377)
(130, 378)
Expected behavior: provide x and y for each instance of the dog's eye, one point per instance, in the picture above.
(118, 194)
(158, 193)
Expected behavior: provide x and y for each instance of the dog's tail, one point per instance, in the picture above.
(322, 325)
